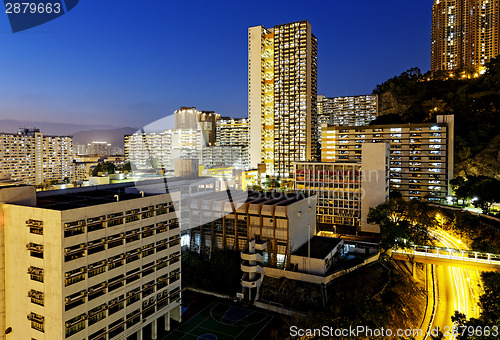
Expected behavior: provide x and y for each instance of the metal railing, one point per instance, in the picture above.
(452, 254)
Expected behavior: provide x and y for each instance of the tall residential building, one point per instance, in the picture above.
(348, 111)
(345, 190)
(32, 158)
(98, 148)
(421, 155)
(282, 89)
(465, 34)
(146, 150)
(233, 135)
(88, 263)
(188, 118)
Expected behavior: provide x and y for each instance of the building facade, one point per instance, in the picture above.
(347, 111)
(421, 155)
(346, 191)
(146, 150)
(282, 90)
(233, 134)
(465, 34)
(89, 264)
(32, 158)
(284, 221)
(188, 118)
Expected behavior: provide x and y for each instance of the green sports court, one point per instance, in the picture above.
(220, 321)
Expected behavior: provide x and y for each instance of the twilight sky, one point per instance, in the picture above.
(131, 62)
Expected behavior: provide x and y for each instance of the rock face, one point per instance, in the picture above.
(390, 104)
(486, 163)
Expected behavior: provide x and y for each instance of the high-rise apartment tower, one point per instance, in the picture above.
(465, 34)
(282, 89)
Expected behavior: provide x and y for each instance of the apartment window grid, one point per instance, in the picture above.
(350, 111)
(291, 130)
(338, 190)
(151, 220)
(418, 156)
(464, 34)
(230, 232)
(32, 158)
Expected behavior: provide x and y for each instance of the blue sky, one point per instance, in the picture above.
(131, 62)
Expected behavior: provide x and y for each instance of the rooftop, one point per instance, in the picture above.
(320, 247)
(74, 198)
(79, 199)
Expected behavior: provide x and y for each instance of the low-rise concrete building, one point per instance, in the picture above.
(317, 255)
(95, 263)
(285, 221)
(346, 191)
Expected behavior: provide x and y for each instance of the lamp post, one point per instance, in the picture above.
(439, 217)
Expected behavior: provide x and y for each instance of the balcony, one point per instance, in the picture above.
(248, 282)
(247, 267)
(260, 245)
(256, 257)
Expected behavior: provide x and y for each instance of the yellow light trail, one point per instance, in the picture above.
(463, 292)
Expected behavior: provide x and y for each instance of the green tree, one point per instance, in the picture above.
(402, 223)
(106, 167)
(482, 190)
(127, 167)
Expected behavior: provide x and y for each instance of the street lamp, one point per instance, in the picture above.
(439, 217)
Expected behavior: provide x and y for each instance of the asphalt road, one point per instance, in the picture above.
(457, 289)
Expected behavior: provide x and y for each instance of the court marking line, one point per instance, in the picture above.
(182, 325)
(249, 310)
(271, 317)
(210, 316)
(249, 324)
(212, 330)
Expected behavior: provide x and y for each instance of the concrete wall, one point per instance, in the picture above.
(375, 186)
(302, 227)
(317, 279)
(25, 195)
(255, 93)
(314, 265)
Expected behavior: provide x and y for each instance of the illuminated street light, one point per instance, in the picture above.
(439, 217)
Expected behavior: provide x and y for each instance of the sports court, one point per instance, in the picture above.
(220, 321)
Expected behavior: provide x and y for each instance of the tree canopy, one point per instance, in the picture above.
(106, 167)
(483, 191)
(402, 223)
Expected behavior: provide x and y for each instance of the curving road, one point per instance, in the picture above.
(457, 288)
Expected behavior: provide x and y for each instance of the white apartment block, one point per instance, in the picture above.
(421, 155)
(233, 134)
(225, 156)
(346, 191)
(161, 150)
(31, 158)
(88, 263)
(347, 111)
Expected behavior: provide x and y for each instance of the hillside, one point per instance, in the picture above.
(112, 136)
(413, 97)
(47, 128)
